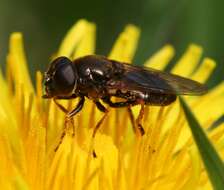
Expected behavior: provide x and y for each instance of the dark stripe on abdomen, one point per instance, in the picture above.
(159, 99)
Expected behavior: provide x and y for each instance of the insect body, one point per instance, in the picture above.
(100, 79)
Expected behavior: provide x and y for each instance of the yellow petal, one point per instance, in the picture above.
(204, 71)
(186, 65)
(72, 38)
(18, 64)
(86, 45)
(36, 156)
(126, 44)
(210, 103)
(161, 58)
(196, 170)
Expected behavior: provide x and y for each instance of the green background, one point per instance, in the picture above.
(179, 22)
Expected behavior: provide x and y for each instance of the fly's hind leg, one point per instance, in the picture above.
(137, 125)
(139, 120)
(132, 119)
(128, 104)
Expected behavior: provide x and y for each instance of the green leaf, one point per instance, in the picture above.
(212, 162)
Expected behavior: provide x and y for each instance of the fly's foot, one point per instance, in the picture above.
(68, 120)
(141, 129)
(94, 154)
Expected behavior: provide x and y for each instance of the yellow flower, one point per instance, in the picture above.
(165, 158)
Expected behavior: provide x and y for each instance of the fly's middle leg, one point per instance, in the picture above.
(105, 111)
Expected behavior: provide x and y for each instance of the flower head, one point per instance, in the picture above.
(164, 158)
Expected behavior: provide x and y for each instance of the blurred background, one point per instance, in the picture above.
(179, 22)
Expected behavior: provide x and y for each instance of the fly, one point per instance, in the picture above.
(99, 79)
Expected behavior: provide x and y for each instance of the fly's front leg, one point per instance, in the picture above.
(62, 108)
(77, 108)
(69, 117)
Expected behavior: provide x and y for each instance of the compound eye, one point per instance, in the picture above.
(64, 76)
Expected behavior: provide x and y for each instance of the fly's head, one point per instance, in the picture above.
(61, 78)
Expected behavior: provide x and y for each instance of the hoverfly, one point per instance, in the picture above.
(99, 79)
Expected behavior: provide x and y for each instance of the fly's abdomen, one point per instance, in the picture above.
(157, 99)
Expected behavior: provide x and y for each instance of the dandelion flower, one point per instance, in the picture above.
(166, 157)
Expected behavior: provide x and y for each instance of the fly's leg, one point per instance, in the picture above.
(139, 120)
(136, 125)
(100, 106)
(132, 118)
(129, 103)
(103, 109)
(77, 108)
(67, 121)
(69, 118)
(62, 108)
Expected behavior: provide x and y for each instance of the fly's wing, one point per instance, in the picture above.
(137, 78)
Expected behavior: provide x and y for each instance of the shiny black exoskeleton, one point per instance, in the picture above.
(99, 78)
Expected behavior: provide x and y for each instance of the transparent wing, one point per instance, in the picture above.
(151, 80)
